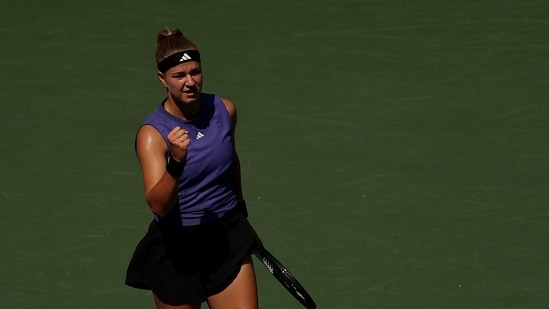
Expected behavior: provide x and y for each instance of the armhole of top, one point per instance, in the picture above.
(165, 138)
(227, 112)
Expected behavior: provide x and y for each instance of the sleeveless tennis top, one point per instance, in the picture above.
(207, 187)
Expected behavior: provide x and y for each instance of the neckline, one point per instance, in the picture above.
(197, 116)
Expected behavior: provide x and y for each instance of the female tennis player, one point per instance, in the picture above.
(197, 248)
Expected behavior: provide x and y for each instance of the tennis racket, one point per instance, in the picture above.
(284, 276)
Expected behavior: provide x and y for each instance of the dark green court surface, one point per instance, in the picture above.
(395, 153)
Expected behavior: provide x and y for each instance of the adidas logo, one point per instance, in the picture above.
(199, 135)
(185, 57)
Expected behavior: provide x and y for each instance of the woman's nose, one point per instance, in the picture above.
(189, 80)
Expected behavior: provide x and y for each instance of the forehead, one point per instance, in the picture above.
(184, 67)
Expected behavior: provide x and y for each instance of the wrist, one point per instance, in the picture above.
(174, 167)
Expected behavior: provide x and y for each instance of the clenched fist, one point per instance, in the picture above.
(180, 141)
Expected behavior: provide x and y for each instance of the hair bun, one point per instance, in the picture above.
(167, 32)
(170, 41)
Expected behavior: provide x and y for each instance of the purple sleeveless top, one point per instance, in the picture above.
(207, 188)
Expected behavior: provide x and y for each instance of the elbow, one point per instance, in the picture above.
(159, 212)
(157, 208)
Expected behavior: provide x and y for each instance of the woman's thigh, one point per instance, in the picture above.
(241, 293)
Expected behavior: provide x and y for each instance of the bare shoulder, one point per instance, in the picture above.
(231, 108)
(149, 140)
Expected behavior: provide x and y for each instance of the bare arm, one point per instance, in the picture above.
(160, 186)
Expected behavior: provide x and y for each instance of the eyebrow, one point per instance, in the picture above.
(197, 68)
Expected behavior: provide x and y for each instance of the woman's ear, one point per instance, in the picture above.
(162, 79)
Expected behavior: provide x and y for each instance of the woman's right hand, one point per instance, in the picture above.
(180, 141)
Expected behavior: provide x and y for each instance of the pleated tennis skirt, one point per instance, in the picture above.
(184, 265)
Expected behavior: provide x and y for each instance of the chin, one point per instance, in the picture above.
(190, 98)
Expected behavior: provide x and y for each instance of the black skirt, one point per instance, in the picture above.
(188, 264)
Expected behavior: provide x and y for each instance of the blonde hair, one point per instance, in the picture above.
(171, 41)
